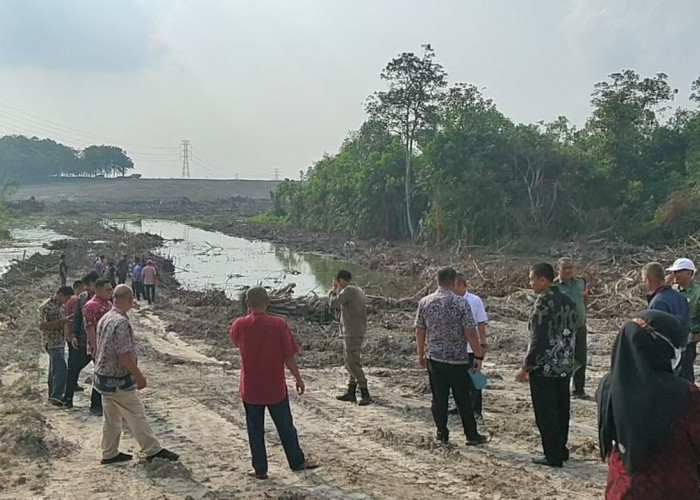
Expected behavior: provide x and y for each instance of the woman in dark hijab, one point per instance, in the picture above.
(649, 418)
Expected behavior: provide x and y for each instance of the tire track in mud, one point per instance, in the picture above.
(379, 446)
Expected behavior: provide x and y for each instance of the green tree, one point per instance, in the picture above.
(409, 107)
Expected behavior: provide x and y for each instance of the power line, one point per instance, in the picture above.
(186, 157)
(74, 135)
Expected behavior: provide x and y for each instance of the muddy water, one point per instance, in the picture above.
(24, 243)
(206, 259)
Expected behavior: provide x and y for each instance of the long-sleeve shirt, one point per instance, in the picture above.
(673, 302)
(552, 335)
(671, 472)
(353, 310)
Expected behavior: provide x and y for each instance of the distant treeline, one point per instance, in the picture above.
(32, 160)
(444, 165)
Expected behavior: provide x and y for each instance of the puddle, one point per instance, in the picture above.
(24, 243)
(209, 259)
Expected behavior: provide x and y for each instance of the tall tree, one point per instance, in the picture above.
(409, 107)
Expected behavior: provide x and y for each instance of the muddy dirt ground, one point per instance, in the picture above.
(382, 451)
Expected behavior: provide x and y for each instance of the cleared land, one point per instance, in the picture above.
(79, 190)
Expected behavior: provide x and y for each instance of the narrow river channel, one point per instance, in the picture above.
(209, 259)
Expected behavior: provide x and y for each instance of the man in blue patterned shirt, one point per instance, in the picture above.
(445, 327)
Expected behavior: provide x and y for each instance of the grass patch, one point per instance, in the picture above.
(268, 218)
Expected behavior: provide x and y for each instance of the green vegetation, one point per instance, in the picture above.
(444, 165)
(32, 160)
(268, 218)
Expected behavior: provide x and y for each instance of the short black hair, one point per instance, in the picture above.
(63, 256)
(344, 275)
(77, 283)
(543, 270)
(446, 276)
(90, 278)
(101, 283)
(66, 291)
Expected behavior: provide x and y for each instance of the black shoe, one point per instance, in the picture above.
(580, 395)
(307, 465)
(453, 411)
(164, 454)
(365, 398)
(121, 457)
(252, 473)
(79, 388)
(443, 437)
(350, 396)
(68, 403)
(549, 463)
(477, 440)
(56, 402)
(96, 412)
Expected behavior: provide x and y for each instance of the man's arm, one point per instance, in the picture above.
(538, 336)
(337, 299)
(78, 320)
(481, 331)
(293, 367)
(420, 344)
(52, 325)
(128, 361)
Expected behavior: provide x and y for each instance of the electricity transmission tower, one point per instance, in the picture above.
(277, 174)
(186, 152)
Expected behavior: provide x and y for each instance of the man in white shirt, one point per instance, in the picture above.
(479, 312)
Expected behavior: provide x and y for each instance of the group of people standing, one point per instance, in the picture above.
(648, 405)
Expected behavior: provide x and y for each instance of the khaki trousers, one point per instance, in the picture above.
(353, 361)
(126, 405)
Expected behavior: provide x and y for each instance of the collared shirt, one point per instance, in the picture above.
(265, 343)
(478, 310)
(666, 299)
(692, 293)
(115, 337)
(552, 328)
(148, 275)
(353, 310)
(93, 311)
(78, 324)
(49, 311)
(136, 272)
(577, 290)
(445, 316)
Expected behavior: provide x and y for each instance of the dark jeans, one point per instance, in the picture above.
(551, 401)
(581, 357)
(122, 278)
(77, 360)
(282, 417)
(443, 378)
(137, 287)
(57, 373)
(687, 362)
(149, 291)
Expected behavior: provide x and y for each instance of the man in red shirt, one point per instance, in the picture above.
(93, 310)
(266, 346)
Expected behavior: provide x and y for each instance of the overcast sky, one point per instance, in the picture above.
(260, 85)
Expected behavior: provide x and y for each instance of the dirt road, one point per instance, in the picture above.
(383, 451)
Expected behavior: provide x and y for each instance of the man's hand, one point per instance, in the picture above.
(74, 342)
(67, 320)
(695, 338)
(522, 376)
(140, 381)
(300, 386)
(422, 362)
(476, 365)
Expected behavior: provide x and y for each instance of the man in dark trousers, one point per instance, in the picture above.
(350, 299)
(123, 269)
(445, 327)
(683, 271)
(266, 346)
(52, 321)
(577, 290)
(78, 357)
(549, 363)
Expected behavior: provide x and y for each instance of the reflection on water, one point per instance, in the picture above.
(26, 242)
(211, 259)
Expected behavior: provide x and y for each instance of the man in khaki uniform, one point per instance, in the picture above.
(353, 320)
